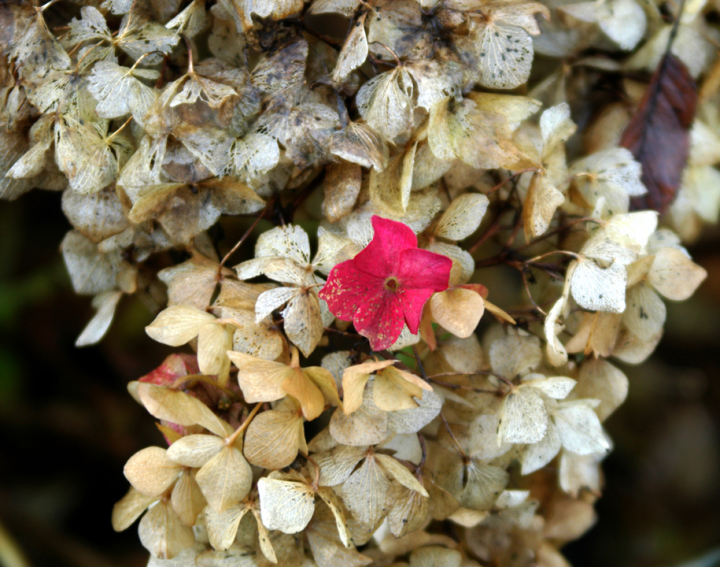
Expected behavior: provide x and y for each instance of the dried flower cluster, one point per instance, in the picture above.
(342, 407)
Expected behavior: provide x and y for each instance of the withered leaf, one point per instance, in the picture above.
(659, 133)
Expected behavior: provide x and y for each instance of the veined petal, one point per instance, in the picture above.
(380, 257)
(422, 269)
(380, 318)
(347, 289)
(412, 302)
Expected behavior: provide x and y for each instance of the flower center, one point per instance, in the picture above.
(391, 284)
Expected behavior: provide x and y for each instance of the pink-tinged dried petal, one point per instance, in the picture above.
(477, 288)
(380, 319)
(380, 257)
(173, 367)
(412, 302)
(347, 288)
(421, 269)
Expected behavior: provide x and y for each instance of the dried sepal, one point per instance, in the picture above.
(274, 437)
(267, 381)
(162, 532)
(385, 102)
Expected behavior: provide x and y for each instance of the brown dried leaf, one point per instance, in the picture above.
(659, 133)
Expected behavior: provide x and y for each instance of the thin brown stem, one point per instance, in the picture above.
(423, 448)
(513, 176)
(343, 333)
(492, 229)
(527, 290)
(421, 368)
(565, 252)
(460, 387)
(477, 373)
(452, 435)
(242, 239)
(230, 440)
(116, 132)
(555, 231)
(191, 68)
(397, 59)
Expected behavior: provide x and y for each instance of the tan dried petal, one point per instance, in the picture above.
(674, 275)
(187, 499)
(222, 526)
(298, 385)
(151, 472)
(162, 533)
(602, 381)
(458, 310)
(225, 479)
(355, 378)
(408, 510)
(365, 491)
(260, 380)
(195, 450)
(354, 51)
(541, 202)
(400, 473)
(273, 439)
(129, 508)
(285, 506)
(366, 426)
(341, 188)
(178, 407)
(337, 464)
(178, 324)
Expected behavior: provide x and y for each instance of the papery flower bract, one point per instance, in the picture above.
(386, 285)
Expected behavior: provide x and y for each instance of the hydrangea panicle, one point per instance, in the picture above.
(387, 284)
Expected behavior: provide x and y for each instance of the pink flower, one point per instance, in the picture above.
(386, 285)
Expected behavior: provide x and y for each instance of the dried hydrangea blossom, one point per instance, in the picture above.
(336, 408)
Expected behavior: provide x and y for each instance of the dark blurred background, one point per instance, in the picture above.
(68, 424)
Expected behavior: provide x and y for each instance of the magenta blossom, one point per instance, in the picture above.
(386, 285)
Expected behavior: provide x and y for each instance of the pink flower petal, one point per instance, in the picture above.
(412, 301)
(380, 319)
(380, 257)
(347, 288)
(418, 269)
(359, 290)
